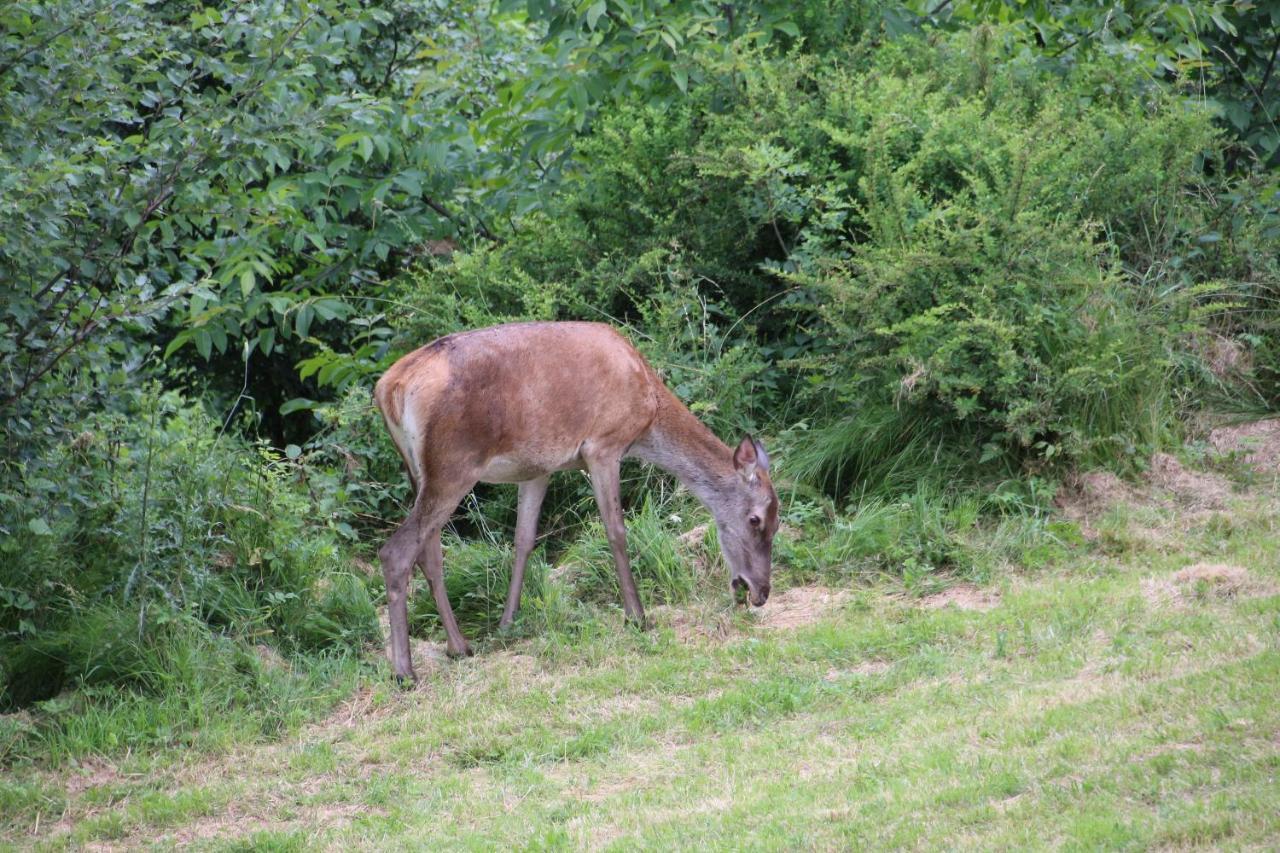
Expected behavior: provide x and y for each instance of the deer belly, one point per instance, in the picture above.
(519, 468)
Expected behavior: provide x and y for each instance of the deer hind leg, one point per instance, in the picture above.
(397, 557)
(529, 504)
(605, 482)
(432, 561)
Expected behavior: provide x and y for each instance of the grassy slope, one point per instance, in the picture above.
(1098, 703)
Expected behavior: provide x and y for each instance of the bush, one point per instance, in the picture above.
(148, 549)
(973, 241)
(940, 259)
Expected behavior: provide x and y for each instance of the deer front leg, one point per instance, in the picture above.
(432, 561)
(605, 483)
(529, 504)
(397, 567)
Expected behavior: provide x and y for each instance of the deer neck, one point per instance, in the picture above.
(679, 443)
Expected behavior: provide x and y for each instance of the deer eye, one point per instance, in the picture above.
(754, 521)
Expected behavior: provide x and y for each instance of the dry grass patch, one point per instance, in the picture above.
(1194, 489)
(1085, 498)
(788, 610)
(964, 596)
(864, 669)
(89, 775)
(697, 622)
(1205, 581)
(236, 824)
(1258, 443)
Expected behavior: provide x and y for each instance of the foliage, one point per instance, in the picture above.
(982, 293)
(1221, 53)
(236, 168)
(256, 173)
(945, 258)
(154, 550)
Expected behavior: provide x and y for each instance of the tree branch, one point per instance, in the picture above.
(1271, 64)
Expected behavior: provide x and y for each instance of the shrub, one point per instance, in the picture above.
(939, 259)
(148, 549)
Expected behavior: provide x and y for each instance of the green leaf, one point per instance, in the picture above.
(179, 341)
(348, 139)
(297, 404)
(1222, 23)
(594, 13)
(293, 451)
(302, 322)
(204, 343)
(39, 527)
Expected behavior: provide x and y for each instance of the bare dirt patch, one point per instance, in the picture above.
(1257, 443)
(799, 606)
(785, 611)
(90, 774)
(964, 596)
(1205, 581)
(864, 669)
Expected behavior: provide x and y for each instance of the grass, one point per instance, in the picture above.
(1094, 701)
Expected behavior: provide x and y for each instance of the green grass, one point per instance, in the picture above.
(1098, 703)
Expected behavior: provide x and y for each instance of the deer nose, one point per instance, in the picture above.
(761, 595)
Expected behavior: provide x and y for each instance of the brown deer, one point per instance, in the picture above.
(514, 403)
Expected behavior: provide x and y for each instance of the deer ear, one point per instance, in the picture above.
(762, 457)
(745, 458)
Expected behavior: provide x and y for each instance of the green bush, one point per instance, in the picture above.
(150, 550)
(942, 258)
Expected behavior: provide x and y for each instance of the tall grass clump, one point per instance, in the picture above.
(664, 570)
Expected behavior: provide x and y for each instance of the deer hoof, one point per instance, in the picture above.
(457, 654)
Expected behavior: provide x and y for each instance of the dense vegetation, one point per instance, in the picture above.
(938, 254)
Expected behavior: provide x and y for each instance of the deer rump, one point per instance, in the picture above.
(507, 408)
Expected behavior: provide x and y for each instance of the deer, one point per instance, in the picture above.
(515, 403)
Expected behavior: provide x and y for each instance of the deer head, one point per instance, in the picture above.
(747, 520)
